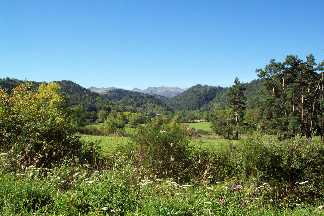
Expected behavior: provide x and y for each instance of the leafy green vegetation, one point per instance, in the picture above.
(251, 149)
(195, 98)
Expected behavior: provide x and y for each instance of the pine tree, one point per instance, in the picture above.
(294, 93)
(237, 101)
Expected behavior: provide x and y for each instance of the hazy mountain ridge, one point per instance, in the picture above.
(101, 90)
(164, 91)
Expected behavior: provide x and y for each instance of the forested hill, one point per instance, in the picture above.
(254, 93)
(196, 97)
(136, 100)
(79, 96)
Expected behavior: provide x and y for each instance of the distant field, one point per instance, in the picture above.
(204, 126)
(113, 144)
(213, 144)
(109, 144)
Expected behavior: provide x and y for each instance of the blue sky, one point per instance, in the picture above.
(140, 43)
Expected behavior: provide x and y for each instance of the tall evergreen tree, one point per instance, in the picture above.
(237, 102)
(294, 90)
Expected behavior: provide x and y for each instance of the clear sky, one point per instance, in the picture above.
(140, 43)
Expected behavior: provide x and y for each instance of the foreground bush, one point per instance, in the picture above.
(164, 148)
(292, 168)
(35, 128)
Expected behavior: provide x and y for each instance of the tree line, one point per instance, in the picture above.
(292, 102)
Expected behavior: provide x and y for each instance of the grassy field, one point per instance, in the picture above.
(109, 144)
(204, 126)
(213, 144)
(210, 142)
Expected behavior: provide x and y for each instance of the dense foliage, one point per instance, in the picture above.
(163, 147)
(294, 101)
(195, 98)
(228, 121)
(151, 163)
(34, 127)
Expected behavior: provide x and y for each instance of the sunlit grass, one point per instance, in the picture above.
(109, 144)
(204, 126)
(213, 144)
(112, 144)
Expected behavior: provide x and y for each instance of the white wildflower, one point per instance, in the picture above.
(302, 183)
(172, 158)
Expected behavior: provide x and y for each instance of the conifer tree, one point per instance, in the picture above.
(293, 105)
(237, 101)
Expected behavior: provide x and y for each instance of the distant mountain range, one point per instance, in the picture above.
(168, 92)
(153, 99)
(101, 90)
(163, 91)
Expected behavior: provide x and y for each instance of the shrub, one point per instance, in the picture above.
(209, 167)
(223, 123)
(164, 146)
(294, 168)
(35, 127)
(135, 119)
(94, 130)
(115, 123)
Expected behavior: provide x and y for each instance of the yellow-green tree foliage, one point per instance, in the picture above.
(34, 126)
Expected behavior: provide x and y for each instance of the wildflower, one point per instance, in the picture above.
(302, 183)
(104, 208)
